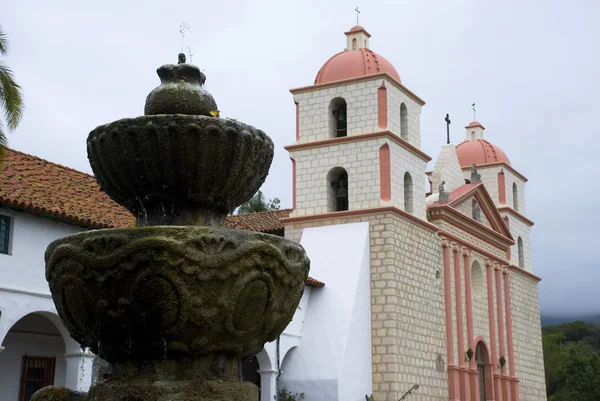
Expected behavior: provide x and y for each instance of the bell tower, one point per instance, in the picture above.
(357, 137)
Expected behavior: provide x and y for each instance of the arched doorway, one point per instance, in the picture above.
(485, 386)
(33, 358)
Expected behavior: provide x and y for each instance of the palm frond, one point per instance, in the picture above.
(3, 42)
(3, 144)
(11, 99)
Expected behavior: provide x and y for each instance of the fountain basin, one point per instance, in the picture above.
(179, 169)
(155, 293)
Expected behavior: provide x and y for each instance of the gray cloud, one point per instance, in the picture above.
(530, 66)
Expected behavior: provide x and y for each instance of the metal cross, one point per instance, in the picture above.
(357, 12)
(184, 30)
(447, 119)
(473, 107)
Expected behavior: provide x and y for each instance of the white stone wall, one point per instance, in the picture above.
(403, 161)
(407, 305)
(333, 359)
(19, 344)
(395, 98)
(527, 337)
(511, 178)
(520, 229)
(489, 177)
(24, 268)
(361, 107)
(361, 110)
(447, 169)
(360, 159)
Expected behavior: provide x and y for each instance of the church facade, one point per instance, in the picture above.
(423, 280)
(454, 310)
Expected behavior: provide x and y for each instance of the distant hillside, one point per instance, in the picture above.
(549, 320)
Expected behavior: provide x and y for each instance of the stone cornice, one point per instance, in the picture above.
(370, 77)
(524, 272)
(516, 214)
(474, 248)
(473, 227)
(361, 212)
(354, 138)
(503, 164)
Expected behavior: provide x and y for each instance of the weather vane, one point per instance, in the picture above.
(357, 12)
(473, 107)
(184, 30)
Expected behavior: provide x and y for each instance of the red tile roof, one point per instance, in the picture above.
(266, 222)
(38, 186)
(311, 282)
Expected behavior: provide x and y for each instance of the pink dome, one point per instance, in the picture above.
(479, 152)
(357, 28)
(355, 63)
(473, 124)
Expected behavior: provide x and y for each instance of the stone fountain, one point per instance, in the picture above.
(175, 303)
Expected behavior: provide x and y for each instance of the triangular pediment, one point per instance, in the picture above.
(474, 202)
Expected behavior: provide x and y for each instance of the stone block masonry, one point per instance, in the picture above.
(407, 304)
(361, 98)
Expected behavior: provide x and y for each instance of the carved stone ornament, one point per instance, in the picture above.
(175, 307)
(440, 365)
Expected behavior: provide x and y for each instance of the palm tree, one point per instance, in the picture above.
(11, 100)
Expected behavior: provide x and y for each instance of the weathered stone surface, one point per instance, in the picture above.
(180, 91)
(52, 393)
(154, 293)
(178, 169)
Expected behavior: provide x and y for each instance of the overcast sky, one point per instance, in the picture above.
(531, 66)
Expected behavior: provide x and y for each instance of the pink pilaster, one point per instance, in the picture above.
(385, 174)
(382, 107)
(463, 377)
(492, 323)
(453, 383)
(514, 382)
(473, 375)
(500, 315)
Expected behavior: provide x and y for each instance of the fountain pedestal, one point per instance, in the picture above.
(175, 303)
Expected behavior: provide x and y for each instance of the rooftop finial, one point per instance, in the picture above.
(357, 12)
(181, 58)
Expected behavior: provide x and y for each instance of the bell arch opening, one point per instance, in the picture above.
(338, 191)
(338, 124)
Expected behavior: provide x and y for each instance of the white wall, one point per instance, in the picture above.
(333, 358)
(19, 344)
(24, 267)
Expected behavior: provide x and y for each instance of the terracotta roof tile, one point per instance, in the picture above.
(39, 186)
(267, 222)
(311, 282)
